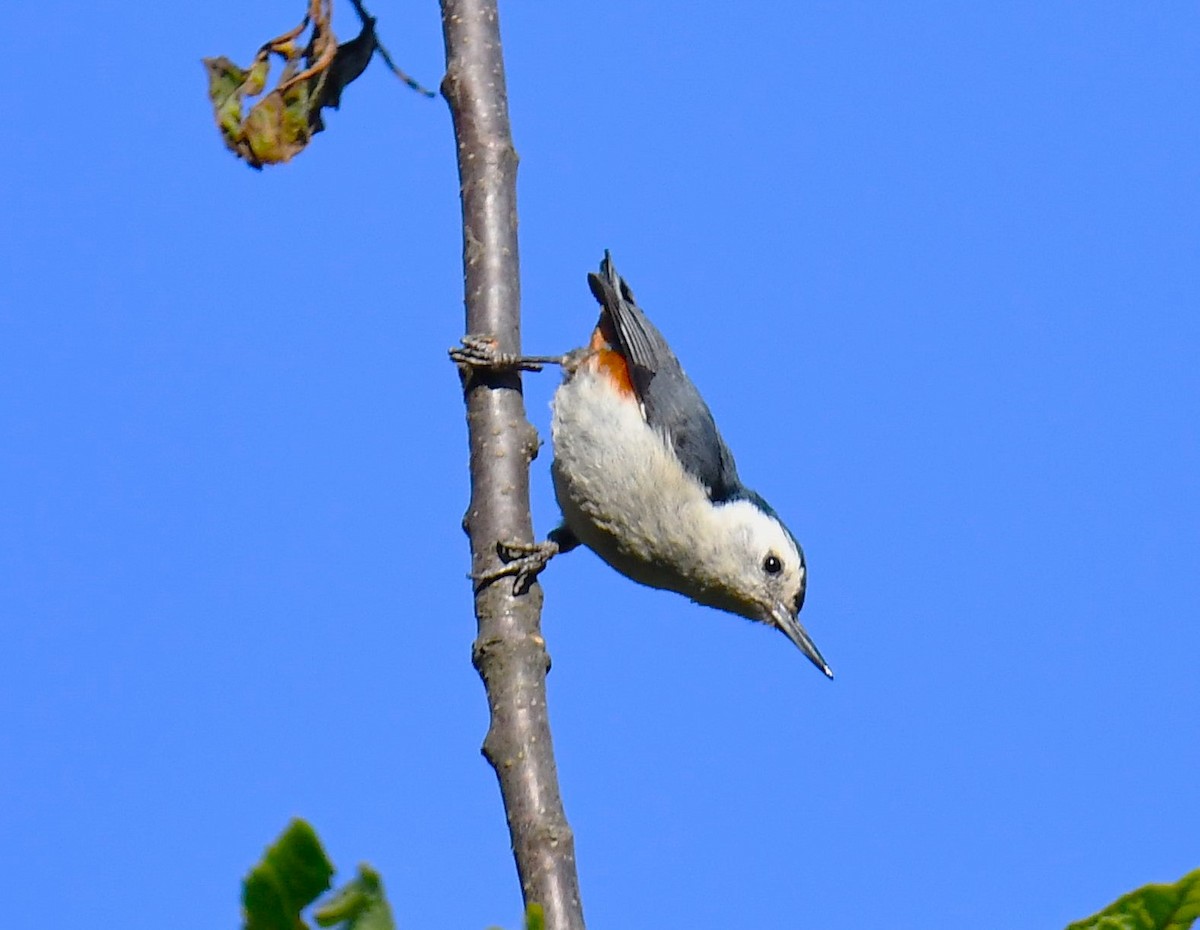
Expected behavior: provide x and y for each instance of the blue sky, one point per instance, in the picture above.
(935, 268)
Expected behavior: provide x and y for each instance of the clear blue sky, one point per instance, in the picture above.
(936, 267)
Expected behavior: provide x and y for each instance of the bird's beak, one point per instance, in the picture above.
(786, 621)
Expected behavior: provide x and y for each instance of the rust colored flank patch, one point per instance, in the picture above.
(607, 360)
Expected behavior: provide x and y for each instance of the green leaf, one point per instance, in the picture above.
(293, 871)
(358, 905)
(535, 917)
(1152, 907)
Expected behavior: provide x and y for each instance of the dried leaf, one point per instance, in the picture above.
(282, 123)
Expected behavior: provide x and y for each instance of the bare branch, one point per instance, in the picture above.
(509, 652)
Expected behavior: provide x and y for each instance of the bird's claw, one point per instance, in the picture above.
(523, 562)
(482, 353)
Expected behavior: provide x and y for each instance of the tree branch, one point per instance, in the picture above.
(509, 652)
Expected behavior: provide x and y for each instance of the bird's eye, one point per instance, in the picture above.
(772, 565)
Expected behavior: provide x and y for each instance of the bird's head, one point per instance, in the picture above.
(758, 570)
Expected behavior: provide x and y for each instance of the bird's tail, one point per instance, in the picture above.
(608, 287)
(624, 325)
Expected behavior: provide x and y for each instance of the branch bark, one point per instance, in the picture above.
(509, 653)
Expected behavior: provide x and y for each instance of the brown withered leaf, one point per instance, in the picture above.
(314, 76)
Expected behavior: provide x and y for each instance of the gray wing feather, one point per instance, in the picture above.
(671, 402)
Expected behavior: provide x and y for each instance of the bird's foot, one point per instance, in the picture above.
(523, 562)
(482, 353)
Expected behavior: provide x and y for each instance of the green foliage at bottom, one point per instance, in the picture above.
(358, 905)
(1152, 907)
(293, 873)
(535, 918)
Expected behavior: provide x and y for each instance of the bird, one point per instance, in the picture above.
(644, 479)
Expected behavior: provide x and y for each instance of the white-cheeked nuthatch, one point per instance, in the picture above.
(645, 480)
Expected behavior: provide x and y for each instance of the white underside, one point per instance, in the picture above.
(626, 497)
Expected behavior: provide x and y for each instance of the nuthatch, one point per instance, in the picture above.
(645, 480)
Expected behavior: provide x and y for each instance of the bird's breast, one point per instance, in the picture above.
(621, 490)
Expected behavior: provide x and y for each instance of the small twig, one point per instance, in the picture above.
(323, 32)
(323, 62)
(387, 59)
(395, 69)
(281, 42)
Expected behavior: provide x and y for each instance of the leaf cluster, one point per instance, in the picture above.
(294, 871)
(314, 76)
(1151, 907)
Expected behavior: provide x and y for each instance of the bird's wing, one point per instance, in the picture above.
(671, 403)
